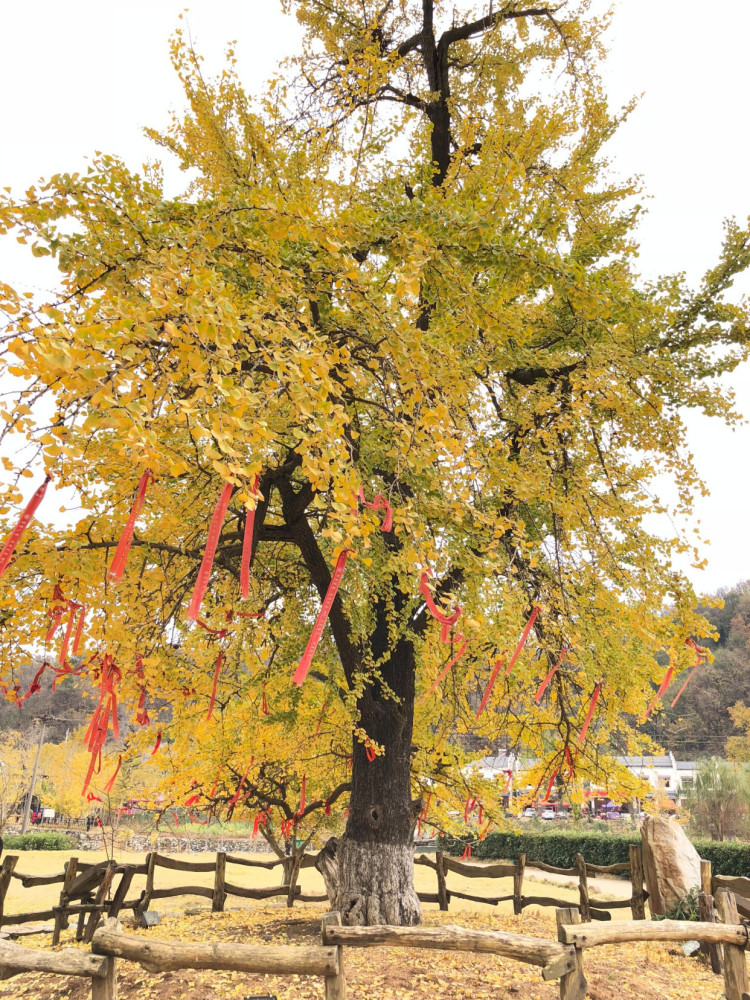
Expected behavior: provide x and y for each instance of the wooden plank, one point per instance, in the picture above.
(740, 886)
(523, 948)
(165, 956)
(491, 900)
(638, 895)
(429, 897)
(6, 873)
(30, 881)
(736, 983)
(69, 962)
(26, 918)
(613, 904)
(335, 986)
(476, 870)
(620, 931)
(183, 866)
(302, 898)
(233, 859)
(573, 984)
(552, 869)
(122, 890)
(422, 859)
(708, 915)
(220, 896)
(443, 894)
(237, 890)
(706, 887)
(183, 890)
(623, 866)
(518, 884)
(583, 888)
(105, 988)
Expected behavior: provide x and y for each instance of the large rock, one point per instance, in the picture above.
(671, 865)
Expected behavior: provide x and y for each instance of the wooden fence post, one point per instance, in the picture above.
(143, 902)
(707, 913)
(573, 984)
(6, 873)
(105, 987)
(293, 881)
(637, 902)
(335, 985)
(735, 968)
(706, 886)
(442, 891)
(518, 884)
(219, 898)
(583, 889)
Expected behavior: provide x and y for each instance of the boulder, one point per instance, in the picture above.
(671, 865)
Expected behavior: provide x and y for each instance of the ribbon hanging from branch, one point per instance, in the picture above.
(247, 546)
(700, 657)
(117, 568)
(217, 671)
(110, 783)
(320, 623)
(550, 786)
(446, 623)
(662, 688)
(589, 714)
(6, 553)
(548, 679)
(501, 660)
(204, 573)
(379, 502)
(96, 734)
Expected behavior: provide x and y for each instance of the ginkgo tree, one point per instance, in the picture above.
(396, 311)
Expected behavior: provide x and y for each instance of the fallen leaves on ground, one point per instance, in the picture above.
(642, 971)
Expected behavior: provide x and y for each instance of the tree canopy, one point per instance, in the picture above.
(407, 270)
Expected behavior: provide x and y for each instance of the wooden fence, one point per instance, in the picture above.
(597, 909)
(562, 959)
(78, 895)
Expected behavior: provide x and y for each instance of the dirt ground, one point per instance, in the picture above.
(645, 972)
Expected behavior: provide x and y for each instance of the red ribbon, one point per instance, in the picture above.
(445, 620)
(469, 808)
(235, 798)
(662, 688)
(217, 670)
(96, 734)
(547, 680)
(320, 717)
(35, 685)
(327, 807)
(499, 663)
(377, 503)
(247, 547)
(264, 703)
(193, 800)
(370, 751)
(522, 640)
(79, 629)
(592, 706)
(92, 798)
(261, 819)
(6, 553)
(110, 783)
(221, 632)
(467, 853)
(700, 657)
(460, 637)
(423, 814)
(204, 573)
(306, 662)
(157, 744)
(549, 786)
(56, 615)
(117, 568)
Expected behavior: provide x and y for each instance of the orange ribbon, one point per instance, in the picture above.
(117, 568)
(320, 623)
(6, 553)
(204, 573)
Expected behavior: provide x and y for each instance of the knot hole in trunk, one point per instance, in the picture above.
(376, 815)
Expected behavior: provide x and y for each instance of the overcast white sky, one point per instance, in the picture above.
(89, 75)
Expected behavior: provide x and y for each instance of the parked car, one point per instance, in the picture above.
(549, 814)
(529, 812)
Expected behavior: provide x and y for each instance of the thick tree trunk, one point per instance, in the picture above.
(372, 879)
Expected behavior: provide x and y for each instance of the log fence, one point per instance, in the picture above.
(561, 960)
(597, 909)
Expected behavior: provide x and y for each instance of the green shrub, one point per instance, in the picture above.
(558, 849)
(729, 857)
(37, 842)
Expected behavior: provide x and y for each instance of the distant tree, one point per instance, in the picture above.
(701, 722)
(718, 801)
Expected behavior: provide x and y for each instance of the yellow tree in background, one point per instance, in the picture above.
(408, 273)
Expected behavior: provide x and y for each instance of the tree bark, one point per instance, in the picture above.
(372, 881)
